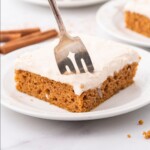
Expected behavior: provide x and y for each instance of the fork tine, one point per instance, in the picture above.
(66, 62)
(85, 56)
(78, 57)
(88, 61)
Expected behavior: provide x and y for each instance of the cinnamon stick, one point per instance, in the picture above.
(9, 37)
(28, 36)
(27, 40)
(21, 31)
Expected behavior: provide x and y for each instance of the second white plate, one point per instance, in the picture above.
(110, 17)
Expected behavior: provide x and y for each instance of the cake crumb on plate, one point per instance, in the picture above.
(146, 134)
(140, 122)
(129, 136)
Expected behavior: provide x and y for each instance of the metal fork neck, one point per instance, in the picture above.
(57, 15)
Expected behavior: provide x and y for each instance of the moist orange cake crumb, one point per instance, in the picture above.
(146, 134)
(140, 122)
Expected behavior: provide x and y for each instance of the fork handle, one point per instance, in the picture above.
(57, 15)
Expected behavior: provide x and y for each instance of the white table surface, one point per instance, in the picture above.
(20, 132)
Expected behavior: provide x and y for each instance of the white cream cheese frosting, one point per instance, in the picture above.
(139, 6)
(107, 57)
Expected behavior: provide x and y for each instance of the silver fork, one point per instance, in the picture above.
(69, 44)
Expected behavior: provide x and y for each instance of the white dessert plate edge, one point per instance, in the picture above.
(67, 4)
(16, 101)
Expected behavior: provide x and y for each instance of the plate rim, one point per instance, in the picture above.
(110, 32)
(84, 117)
(68, 4)
(72, 116)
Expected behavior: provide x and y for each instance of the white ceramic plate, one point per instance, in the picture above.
(129, 99)
(67, 3)
(110, 18)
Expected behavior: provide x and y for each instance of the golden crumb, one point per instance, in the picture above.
(140, 122)
(129, 136)
(146, 134)
(81, 86)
